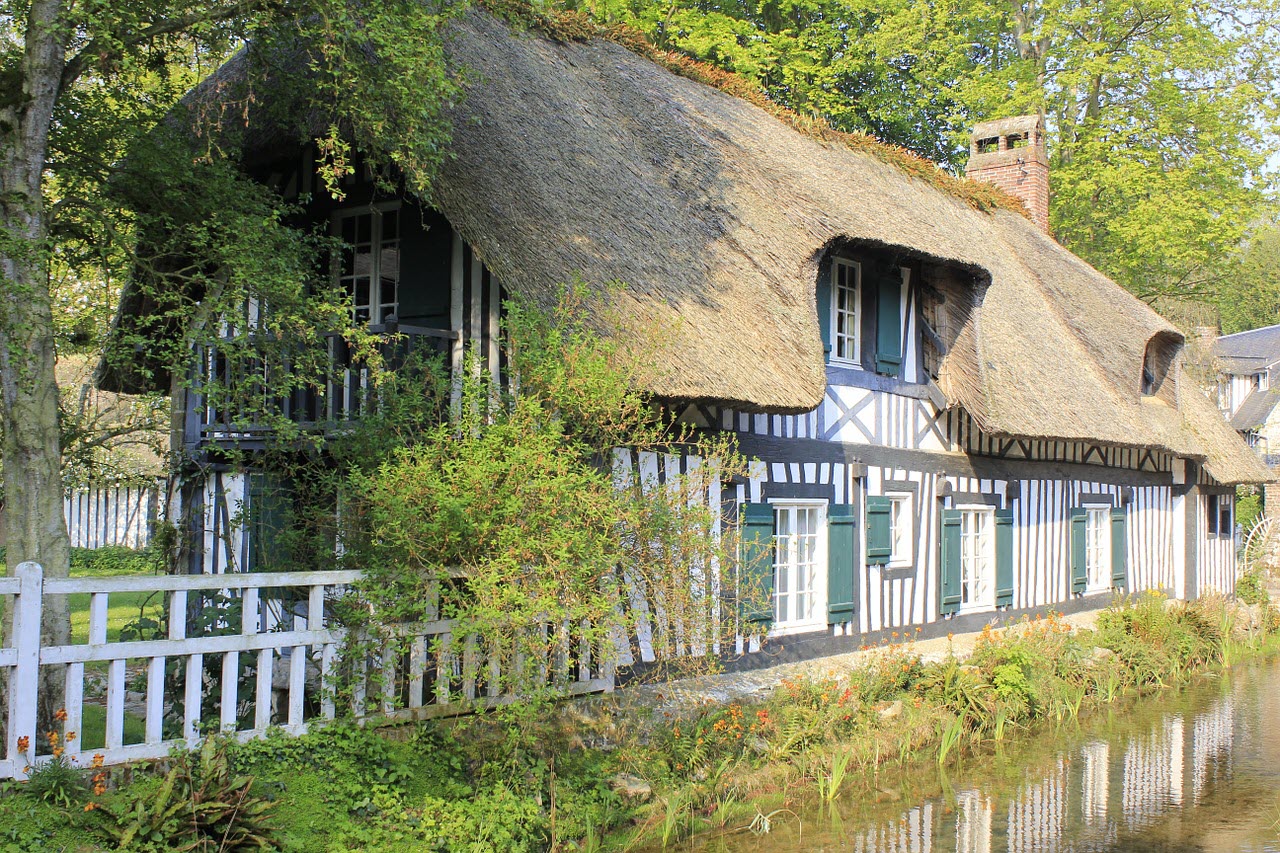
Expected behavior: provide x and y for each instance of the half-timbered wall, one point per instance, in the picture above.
(1216, 554)
(217, 519)
(849, 415)
(899, 597)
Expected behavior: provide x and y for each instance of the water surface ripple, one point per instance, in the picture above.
(1176, 773)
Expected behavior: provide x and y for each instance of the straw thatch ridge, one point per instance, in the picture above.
(582, 159)
(568, 25)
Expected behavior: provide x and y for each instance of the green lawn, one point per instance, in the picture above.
(93, 734)
(123, 607)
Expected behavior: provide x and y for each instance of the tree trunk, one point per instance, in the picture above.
(32, 456)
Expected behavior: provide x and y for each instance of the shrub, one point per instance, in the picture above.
(58, 782)
(199, 805)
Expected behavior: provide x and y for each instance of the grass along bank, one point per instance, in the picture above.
(598, 775)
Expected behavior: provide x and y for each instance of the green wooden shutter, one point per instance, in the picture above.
(1119, 549)
(1004, 557)
(826, 304)
(879, 530)
(1079, 567)
(842, 554)
(889, 324)
(949, 563)
(755, 594)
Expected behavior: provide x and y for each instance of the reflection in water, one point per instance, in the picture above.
(973, 822)
(1195, 772)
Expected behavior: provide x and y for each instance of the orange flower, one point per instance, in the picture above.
(70, 736)
(57, 751)
(60, 715)
(98, 760)
(24, 743)
(91, 806)
(52, 738)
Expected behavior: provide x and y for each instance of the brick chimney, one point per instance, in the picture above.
(1010, 154)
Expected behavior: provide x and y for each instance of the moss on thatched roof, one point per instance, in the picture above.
(577, 153)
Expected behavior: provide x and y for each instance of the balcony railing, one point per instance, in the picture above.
(347, 395)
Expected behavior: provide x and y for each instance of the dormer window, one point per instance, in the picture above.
(846, 311)
(1158, 358)
(866, 311)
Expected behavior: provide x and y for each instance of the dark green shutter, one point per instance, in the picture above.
(1004, 557)
(1119, 549)
(879, 530)
(1079, 564)
(841, 555)
(826, 305)
(949, 563)
(755, 594)
(889, 324)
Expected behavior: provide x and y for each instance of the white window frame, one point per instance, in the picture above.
(379, 308)
(787, 547)
(977, 551)
(1097, 547)
(902, 528)
(846, 349)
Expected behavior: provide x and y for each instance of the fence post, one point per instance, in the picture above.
(25, 684)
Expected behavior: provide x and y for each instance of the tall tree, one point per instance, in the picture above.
(70, 70)
(1254, 300)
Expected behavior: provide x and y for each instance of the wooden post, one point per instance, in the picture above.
(24, 683)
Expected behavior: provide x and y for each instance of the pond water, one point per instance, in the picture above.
(1197, 770)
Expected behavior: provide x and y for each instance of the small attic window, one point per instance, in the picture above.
(986, 146)
(1018, 140)
(1159, 356)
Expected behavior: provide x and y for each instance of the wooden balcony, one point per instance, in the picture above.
(347, 395)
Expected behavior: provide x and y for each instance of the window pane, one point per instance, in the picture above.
(389, 264)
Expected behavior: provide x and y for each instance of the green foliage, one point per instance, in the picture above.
(1254, 299)
(351, 788)
(1158, 643)
(1249, 587)
(29, 825)
(57, 781)
(1248, 506)
(506, 518)
(201, 804)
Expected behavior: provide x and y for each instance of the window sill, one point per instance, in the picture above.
(796, 628)
(857, 376)
(893, 571)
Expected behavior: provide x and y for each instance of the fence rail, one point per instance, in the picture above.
(242, 653)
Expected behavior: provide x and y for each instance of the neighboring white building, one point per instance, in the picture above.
(1249, 386)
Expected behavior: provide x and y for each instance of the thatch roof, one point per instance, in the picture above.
(583, 159)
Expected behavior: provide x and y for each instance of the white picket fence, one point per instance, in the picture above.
(278, 646)
(111, 515)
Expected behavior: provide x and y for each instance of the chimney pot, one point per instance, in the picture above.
(1010, 154)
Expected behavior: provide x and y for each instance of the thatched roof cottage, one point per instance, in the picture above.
(971, 419)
